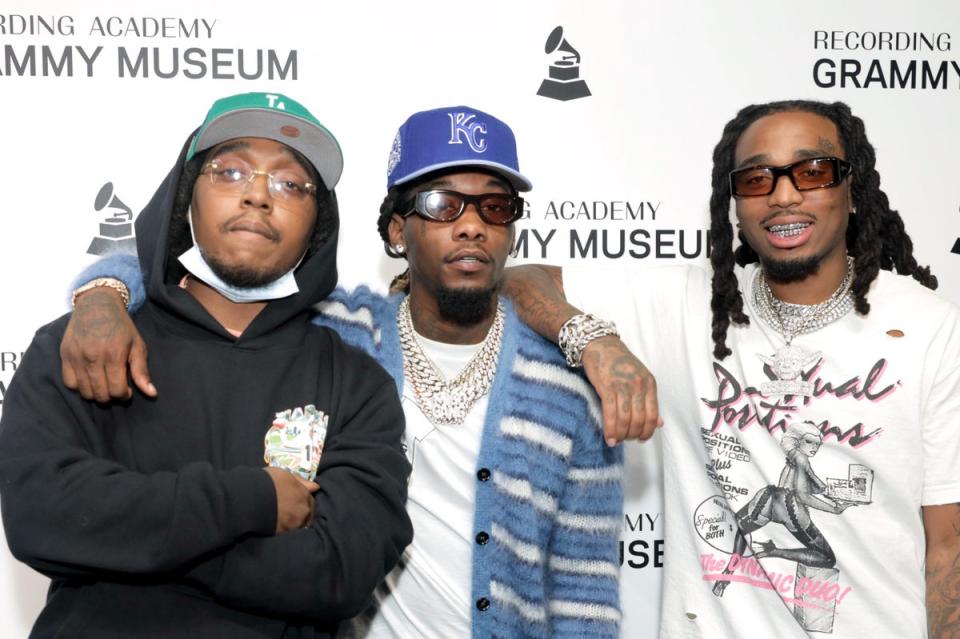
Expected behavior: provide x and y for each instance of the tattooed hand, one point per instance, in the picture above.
(627, 390)
(942, 528)
(99, 343)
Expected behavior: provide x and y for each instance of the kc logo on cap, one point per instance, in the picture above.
(462, 126)
(451, 138)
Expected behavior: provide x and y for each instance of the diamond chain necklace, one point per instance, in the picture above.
(789, 362)
(791, 320)
(447, 402)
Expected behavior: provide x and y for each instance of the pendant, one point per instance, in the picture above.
(788, 364)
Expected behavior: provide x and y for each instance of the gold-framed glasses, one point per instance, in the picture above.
(235, 175)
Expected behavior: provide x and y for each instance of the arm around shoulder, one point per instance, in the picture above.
(101, 340)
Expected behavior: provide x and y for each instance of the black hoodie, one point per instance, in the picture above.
(154, 518)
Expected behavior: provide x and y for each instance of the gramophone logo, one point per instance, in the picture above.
(564, 82)
(956, 247)
(116, 230)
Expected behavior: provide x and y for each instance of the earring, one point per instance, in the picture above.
(515, 251)
(400, 248)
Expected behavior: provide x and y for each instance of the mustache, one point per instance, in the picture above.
(772, 216)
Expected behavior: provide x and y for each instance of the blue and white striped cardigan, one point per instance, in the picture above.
(553, 501)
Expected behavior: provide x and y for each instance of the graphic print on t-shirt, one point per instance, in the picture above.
(741, 524)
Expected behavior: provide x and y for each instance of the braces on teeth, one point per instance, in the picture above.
(788, 230)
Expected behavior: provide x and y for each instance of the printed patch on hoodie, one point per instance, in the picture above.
(295, 441)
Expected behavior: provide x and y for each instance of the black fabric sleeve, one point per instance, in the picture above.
(328, 571)
(69, 510)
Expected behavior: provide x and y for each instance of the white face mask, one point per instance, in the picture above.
(196, 265)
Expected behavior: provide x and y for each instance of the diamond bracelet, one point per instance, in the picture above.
(580, 330)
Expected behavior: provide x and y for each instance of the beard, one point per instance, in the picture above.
(465, 306)
(789, 271)
(242, 275)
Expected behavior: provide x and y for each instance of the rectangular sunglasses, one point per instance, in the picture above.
(806, 175)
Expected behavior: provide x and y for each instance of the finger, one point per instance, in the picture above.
(608, 402)
(638, 417)
(139, 371)
(624, 412)
(98, 382)
(83, 384)
(68, 373)
(116, 377)
(652, 406)
(309, 485)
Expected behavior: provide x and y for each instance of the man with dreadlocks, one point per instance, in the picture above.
(803, 322)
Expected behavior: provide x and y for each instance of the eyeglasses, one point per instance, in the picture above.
(498, 209)
(235, 175)
(806, 175)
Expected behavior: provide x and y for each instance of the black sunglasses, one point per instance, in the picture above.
(806, 175)
(439, 205)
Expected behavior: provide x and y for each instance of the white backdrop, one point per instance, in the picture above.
(88, 105)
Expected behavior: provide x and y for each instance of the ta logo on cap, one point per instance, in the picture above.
(462, 126)
(274, 102)
(564, 82)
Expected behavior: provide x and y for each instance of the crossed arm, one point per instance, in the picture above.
(71, 511)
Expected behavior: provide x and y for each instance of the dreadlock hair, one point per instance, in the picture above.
(179, 239)
(396, 196)
(876, 237)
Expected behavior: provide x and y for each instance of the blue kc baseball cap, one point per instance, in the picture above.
(452, 137)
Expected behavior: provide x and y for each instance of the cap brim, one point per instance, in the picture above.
(313, 141)
(517, 180)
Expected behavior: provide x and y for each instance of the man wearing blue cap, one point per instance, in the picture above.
(155, 517)
(514, 497)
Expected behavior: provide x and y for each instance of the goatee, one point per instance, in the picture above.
(466, 306)
(243, 276)
(789, 271)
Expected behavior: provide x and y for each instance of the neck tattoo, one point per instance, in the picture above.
(447, 402)
(790, 320)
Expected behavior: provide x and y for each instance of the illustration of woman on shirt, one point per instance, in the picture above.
(788, 504)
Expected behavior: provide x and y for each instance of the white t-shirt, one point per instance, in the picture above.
(428, 594)
(885, 400)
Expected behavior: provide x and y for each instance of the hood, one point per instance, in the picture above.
(316, 276)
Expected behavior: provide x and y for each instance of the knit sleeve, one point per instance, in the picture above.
(356, 316)
(118, 265)
(583, 555)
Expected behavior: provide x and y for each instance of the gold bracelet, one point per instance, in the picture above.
(109, 282)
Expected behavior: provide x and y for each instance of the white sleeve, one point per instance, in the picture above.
(656, 309)
(941, 418)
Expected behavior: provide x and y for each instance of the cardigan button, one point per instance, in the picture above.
(482, 538)
(482, 604)
(483, 474)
